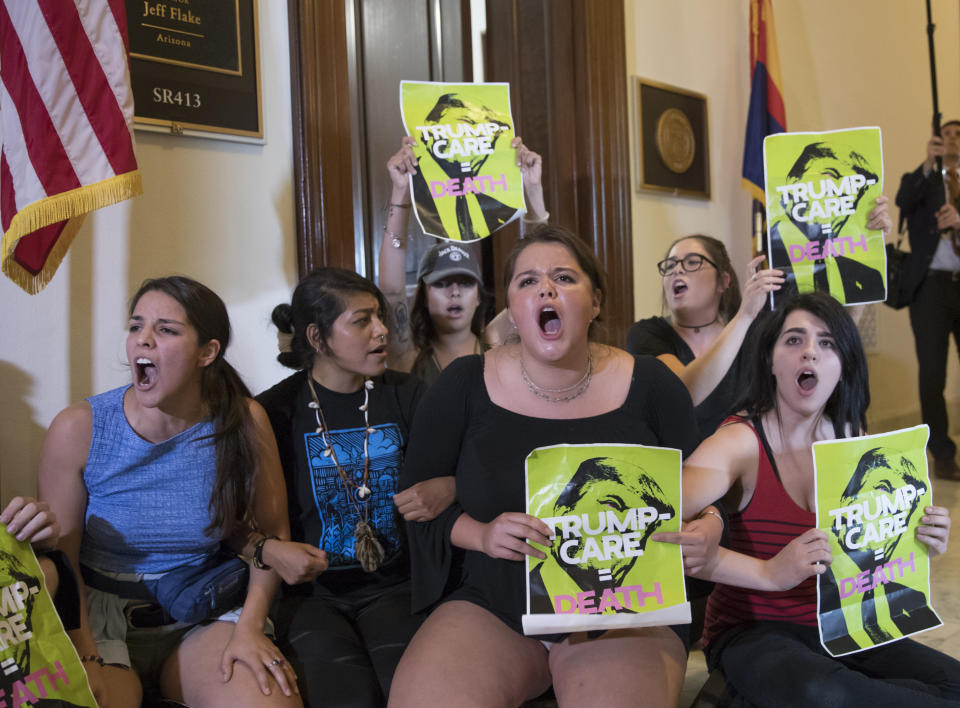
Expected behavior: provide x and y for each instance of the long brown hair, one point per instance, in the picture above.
(225, 394)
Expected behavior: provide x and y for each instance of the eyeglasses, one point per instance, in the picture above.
(692, 262)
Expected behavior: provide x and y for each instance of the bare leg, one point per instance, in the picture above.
(192, 675)
(464, 656)
(112, 685)
(123, 687)
(627, 667)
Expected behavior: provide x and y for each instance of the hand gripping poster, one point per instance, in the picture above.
(467, 184)
(870, 493)
(38, 664)
(602, 571)
(820, 188)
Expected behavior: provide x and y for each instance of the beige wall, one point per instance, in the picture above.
(844, 64)
(223, 212)
(217, 211)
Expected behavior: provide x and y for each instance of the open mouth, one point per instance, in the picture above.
(382, 349)
(146, 371)
(679, 287)
(807, 380)
(550, 321)
(455, 310)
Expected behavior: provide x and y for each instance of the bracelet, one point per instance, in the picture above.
(92, 660)
(714, 513)
(258, 552)
(541, 220)
(396, 240)
(400, 206)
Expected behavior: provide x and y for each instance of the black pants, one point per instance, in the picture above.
(934, 315)
(777, 664)
(345, 648)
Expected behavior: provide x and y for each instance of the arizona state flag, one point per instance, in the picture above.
(765, 114)
(66, 127)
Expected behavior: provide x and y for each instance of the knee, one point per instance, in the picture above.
(826, 690)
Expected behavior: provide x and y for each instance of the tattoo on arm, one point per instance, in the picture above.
(402, 320)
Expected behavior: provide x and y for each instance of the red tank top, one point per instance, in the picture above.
(769, 522)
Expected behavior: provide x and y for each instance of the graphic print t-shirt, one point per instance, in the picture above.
(338, 505)
(323, 510)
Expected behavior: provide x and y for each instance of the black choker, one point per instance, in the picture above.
(696, 328)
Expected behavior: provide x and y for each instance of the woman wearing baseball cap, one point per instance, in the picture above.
(448, 315)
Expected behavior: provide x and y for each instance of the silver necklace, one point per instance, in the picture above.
(559, 395)
(367, 548)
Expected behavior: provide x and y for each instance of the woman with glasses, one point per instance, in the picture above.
(707, 321)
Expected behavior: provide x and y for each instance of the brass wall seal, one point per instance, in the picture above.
(675, 140)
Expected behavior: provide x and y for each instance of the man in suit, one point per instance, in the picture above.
(934, 281)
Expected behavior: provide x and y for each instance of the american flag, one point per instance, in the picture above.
(66, 127)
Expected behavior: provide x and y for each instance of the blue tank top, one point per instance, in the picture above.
(147, 504)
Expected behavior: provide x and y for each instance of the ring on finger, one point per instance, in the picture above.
(275, 662)
(753, 277)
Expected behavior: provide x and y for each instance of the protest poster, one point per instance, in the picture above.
(38, 664)
(820, 187)
(870, 494)
(467, 183)
(602, 571)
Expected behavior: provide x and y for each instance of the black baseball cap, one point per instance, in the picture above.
(446, 259)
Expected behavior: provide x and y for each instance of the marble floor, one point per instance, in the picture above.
(945, 576)
(945, 579)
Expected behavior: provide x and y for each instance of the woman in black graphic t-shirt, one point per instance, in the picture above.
(342, 424)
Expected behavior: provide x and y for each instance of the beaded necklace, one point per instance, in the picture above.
(367, 548)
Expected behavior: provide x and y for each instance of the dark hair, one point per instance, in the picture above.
(453, 100)
(599, 469)
(950, 122)
(226, 396)
(424, 332)
(847, 405)
(885, 458)
(716, 252)
(815, 151)
(585, 258)
(319, 299)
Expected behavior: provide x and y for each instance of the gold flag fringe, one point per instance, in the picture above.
(33, 284)
(755, 191)
(69, 206)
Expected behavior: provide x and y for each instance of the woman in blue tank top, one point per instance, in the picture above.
(150, 478)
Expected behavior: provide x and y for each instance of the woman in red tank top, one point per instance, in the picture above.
(761, 628)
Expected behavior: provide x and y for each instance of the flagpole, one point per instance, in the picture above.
(758, 228)
(937, 116)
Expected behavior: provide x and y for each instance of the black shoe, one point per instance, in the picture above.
(946, 468)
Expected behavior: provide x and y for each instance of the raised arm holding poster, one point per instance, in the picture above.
(467, 184)
(820, 188)
(38, 664)
(870, 496)
(604, 502)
